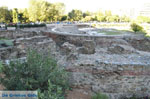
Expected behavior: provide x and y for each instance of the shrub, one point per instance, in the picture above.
(93, 25)
(26, 25)
(136, 28)
(100, 96)
(38, 72)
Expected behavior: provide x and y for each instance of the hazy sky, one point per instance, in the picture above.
(91, 5)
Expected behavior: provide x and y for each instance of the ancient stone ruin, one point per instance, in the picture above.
(118, 65)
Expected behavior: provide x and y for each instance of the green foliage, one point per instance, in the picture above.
(124, 19)
(15, 15)
(44, 11)
(75, 15)
(100, 96)
(41, 10)
(108, 17)
(87, 13)
(3, 38)
(143, 19)
(31, 25)
(38, 72)
(25, 17)
(136, 28)
(87, 18)
(49, 94)
(63, 18)
(26, 25)
(108, 13)
(5, 15)
(93, 25)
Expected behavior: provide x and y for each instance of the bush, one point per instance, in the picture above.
(38, 72)
(100, 96)
(93, 25)
(136, 28)
(26, 25)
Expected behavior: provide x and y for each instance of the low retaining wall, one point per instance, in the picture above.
(137, 41)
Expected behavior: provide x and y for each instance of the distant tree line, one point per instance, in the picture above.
(43, 11)
(39, 10)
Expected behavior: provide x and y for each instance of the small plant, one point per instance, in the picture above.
(39, 72)
(100, 96)
(136, 28)
(93, 25)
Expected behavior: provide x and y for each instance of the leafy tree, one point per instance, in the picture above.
(124, 19)
(63, 18)
(25, 15)
(87, 18)
(34, 8)
(20, 15)
(44, 11)
(116, 18)
(143, 19)
(100, 16)
(56, 11)
(60, 7)
(15, 15)
(108, 15)
(5, 15)
(87, 13)
(113, 18)
(41, 10)
(75, 15)
(53, 12)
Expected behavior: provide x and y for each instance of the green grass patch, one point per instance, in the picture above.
(114, 32)
(2, 38)
(100, 96)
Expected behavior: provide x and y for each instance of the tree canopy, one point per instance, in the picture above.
(41, 10)
(44, 11)
(75, 15)
(5, 14)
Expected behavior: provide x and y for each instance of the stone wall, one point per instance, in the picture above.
(118, 67)
(24, 40)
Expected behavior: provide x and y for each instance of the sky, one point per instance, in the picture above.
(84, 5)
